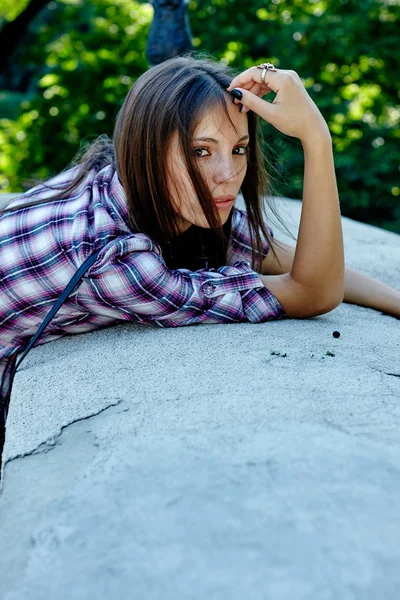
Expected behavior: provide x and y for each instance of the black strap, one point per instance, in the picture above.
(75, 280)
(56, 307)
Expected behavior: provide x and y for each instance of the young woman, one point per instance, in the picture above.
(159, 201)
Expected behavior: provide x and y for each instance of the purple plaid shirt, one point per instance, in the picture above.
(41, 248)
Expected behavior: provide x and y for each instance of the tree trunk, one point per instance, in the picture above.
(14, 31)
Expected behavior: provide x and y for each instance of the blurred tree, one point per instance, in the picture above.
(80, 74)
(14, 30)
(346, 53)
(79, 58)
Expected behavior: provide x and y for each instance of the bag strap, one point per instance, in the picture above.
(75, 280)
(13, 365)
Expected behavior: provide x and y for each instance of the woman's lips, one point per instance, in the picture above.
(225, 200)
(225, 204)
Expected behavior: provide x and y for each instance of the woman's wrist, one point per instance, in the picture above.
(317, 139)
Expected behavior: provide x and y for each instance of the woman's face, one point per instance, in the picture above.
(222, 160)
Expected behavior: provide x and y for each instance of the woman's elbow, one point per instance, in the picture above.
(331, 302)
(320, 304)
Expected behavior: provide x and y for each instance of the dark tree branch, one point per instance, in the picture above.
(14, 31)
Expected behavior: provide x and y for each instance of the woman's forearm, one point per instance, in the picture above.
(366, 291)
(319, 258)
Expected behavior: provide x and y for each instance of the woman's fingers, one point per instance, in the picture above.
(292, 112)
(248, 78)
(253, 102)
(255, 88)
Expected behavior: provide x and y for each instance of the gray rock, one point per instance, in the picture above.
(217, 462)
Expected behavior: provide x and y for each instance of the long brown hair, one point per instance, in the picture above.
(174, 97)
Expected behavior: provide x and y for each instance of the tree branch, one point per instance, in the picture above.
(14, 31)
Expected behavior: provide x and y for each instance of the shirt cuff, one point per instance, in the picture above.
(217, 285)
(259, 304)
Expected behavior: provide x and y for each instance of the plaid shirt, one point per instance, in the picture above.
(41, 248)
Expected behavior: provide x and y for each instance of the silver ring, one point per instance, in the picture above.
(265, 67)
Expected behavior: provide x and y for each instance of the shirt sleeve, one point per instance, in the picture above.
(240, 243)
(130, 281)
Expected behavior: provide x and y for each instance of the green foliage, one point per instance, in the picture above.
(347, 56)
(85, 68)
(85, 55)
(10, 9)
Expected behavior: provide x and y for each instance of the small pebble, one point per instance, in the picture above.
(336, 334)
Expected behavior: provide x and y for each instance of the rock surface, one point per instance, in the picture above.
(220, 462)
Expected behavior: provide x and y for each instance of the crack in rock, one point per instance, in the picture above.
(49, 444)
(384, 372)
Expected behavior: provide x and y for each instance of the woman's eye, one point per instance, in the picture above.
(244, 149)
(198, 150)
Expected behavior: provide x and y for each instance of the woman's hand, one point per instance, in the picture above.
(292, 112)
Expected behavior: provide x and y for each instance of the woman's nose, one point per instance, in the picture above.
(225, 169)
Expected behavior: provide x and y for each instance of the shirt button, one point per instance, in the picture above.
(209, 288)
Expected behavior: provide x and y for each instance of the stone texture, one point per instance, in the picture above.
(192, 463)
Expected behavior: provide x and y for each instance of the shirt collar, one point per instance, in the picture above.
(116, 196)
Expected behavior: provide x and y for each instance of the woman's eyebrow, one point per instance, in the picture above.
(207, 139)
